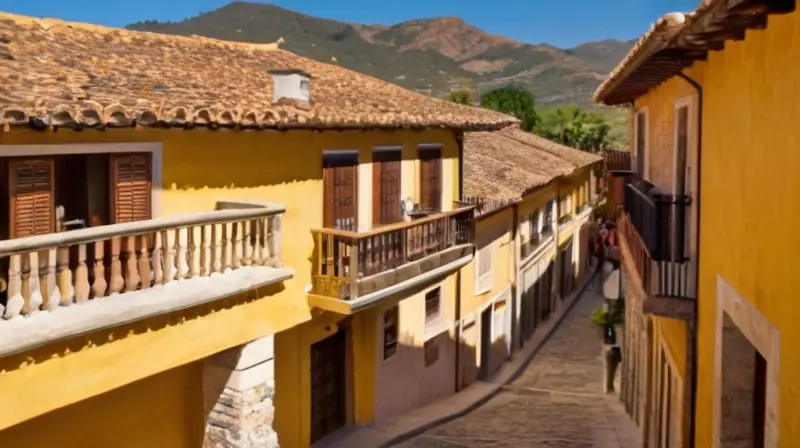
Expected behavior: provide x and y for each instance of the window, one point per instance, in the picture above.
(483, 276)
(32, 196)
(430, 178)
(131, 175)
(340, 177)
(535, 224)
(641, 141)
(564, 206)
(431, 349)
(386, 167)
(433, 305)
(390, 331)
(498, 327)
(682, 150)
(547, 226)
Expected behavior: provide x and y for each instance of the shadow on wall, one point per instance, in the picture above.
(52, 352)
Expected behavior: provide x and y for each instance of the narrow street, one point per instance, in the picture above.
(556, 402)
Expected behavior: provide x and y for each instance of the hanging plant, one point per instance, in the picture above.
(601, 318)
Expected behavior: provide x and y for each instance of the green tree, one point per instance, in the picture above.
(460, 97)
(514, 101)
(574, 127)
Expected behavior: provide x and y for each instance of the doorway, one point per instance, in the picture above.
(328, 385)
(744, 375)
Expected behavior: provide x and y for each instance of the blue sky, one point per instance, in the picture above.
(561, 23)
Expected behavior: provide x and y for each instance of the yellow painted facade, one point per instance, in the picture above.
(199, 167)
(747, 236)
(748, 233)
(670, 336)
(500, 234)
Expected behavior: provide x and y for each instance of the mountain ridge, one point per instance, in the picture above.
(430, 55)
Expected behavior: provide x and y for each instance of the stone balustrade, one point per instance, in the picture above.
(46, 272)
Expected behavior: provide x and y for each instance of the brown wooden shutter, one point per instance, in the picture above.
(131, 183)
(340, 178)
(431, 178)
(32, 197)
(386, 168)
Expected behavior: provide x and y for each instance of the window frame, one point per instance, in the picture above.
(644, 112)
(484, 282)
(391, 345)
(432, 155)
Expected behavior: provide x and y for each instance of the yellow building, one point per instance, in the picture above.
(708, 241)
(535, 199)
(201, 235)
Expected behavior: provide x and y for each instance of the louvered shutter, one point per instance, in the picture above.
(131, 182)
(431, 178)
(340, 178)
(32, 197)
(386, 168)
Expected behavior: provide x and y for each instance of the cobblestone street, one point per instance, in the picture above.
(556, 402)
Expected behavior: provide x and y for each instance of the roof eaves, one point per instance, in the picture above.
(655, 39)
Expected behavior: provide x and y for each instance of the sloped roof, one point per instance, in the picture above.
(677, 40)
(58, 73)
(504, 165)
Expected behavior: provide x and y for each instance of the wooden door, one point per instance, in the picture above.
(340, 178)
(430, 160)
(386, 169)
(131, 187)
(31, 196)
(328, 400)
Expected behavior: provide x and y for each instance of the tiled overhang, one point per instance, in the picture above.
(669, 49)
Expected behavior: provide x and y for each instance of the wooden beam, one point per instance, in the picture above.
(671, 307)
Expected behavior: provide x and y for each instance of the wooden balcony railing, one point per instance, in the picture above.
(48, 271)
(617, 160)
(530, 245)
(654, 226)
(344, 258)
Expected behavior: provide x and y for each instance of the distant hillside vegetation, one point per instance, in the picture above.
(433, 56)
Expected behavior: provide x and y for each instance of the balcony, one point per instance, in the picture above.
(653, 232)
(353, 270)
(64, 284)
(617, 160)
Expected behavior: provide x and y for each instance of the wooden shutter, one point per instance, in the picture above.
(386, 168)
(131, 184)
(431, 178)
(32, 197)
(340, 177)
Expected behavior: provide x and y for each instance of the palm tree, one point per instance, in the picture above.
(574, 127)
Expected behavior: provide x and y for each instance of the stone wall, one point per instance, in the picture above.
(238, 392)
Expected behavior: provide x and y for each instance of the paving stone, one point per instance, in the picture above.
(557, 402)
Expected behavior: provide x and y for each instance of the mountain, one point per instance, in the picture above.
(433, 56)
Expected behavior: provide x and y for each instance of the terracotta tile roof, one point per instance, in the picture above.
(654, 40)
(677, 40)
(506, 164)
(55, 73)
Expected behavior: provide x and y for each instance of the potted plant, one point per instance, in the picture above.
(606, 321)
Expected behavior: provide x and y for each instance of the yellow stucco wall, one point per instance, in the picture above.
(749, 194)
(117, 419)
(201, 167)
(403, 382)
(492, 230)
(749, 182)
(660, 106)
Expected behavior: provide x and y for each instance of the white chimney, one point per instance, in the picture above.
(291, 84)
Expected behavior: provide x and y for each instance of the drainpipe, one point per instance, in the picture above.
(693, 324)
(459, 135)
